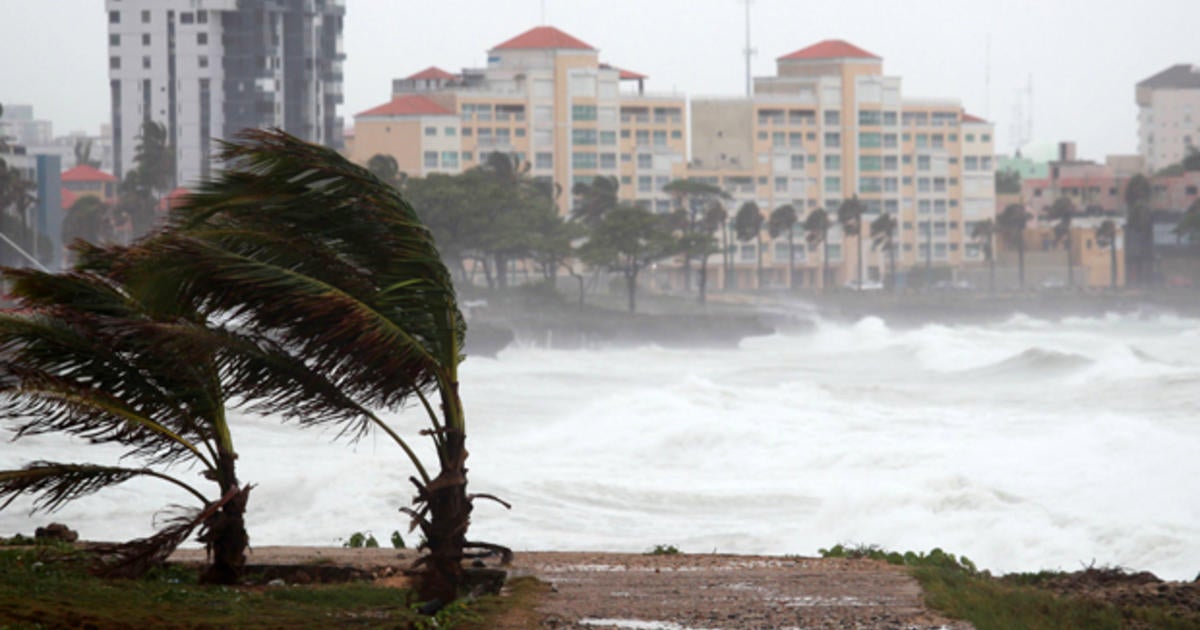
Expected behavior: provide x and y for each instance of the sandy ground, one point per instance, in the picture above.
(679, 592)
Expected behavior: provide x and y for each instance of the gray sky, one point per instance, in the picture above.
(1085, 55)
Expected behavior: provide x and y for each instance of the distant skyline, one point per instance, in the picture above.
(1084, 56)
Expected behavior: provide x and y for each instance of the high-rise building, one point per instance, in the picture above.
(1169, 116)
(547, 99)
(829, 126)
(206, 69)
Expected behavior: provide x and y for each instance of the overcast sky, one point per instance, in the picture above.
(1084, 55)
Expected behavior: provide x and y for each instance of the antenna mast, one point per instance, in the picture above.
(748, 51)
(1022, 125)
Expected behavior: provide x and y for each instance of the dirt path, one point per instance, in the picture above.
(678, 592)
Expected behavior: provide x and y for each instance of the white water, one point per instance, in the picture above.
(1025, 445)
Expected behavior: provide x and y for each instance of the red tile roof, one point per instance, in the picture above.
(85, 173)
(68, 198)
(543, 37)
(432, 72)
(623, 74)
(830, 49)
(173, 199)
(968, 118)
(411, 105)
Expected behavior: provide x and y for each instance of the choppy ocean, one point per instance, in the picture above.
(1023, 445)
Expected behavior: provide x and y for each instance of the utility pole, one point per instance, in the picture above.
(748, 51)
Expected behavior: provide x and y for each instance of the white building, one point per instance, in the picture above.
(1169, 115)
(207, 69)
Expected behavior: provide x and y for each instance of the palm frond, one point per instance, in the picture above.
(132, 559)
(54, 484)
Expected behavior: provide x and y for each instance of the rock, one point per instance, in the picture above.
(277, 582)
(55, 532)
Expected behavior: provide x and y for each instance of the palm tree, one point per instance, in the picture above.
(1139, 230)
(715, 217)
(1061, 212)
(747, 225)
(90, 357)
(594, 200)
(883, 236)
(1106, 234)
(1189, 224)
(850, 216)
(783, 220)
(692, 197)
(386, 168)
(816, 232)
(984, 234)
(1011, 226)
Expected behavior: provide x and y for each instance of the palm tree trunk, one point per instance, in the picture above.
(225, 532)
(860, 255)
(1021, 261)
(1112, 263)
(759, 273)
(825, 261)
(449, 515)
(1070, 263)
(631, 286)
(791, 261)
(703, 278)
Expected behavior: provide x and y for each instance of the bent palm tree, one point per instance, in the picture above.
(88, 357)
(1106, 235)
(1011, 225)
(850, 215)
(816, 232)
(302, 247)
(747, 225)
(783, 219)
(984, 234)
(1061, 212)
(883, 236)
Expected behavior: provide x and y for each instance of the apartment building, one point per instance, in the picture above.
(207, 69)
(830, 125)
(545, 98)
(1168, 115)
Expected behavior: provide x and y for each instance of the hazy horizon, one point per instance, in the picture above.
(1083, 76)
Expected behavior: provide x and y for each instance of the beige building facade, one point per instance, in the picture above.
(1168, 116)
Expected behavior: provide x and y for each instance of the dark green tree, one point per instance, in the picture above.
(783, 221)
(1106, 236)
(1062, 212)
(816, 232)
(89, 219)
(692, 198)
(1010, 224)
(883, 237)
(1139, 231)
(626, 240)
(747, 225)
(850, 216)
(386, 169)
(1008, 182)
(715, 219)
(593, 200)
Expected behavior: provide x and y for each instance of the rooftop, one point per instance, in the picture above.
(411, 105)
(968, 118)
(543, 37)
(1179, 76)
(830, 49)
(85, 173)
(432, 72)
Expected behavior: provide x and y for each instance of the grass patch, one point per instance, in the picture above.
(956, 588)
(516, 608)
(50, 587)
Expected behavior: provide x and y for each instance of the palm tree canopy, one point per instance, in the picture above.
(715, 216)
(303, 247)
(783, 219)
(747, 223)
(1061, 212)
(816, 226)
(1011, 223)
(593, 200)
(883, 231)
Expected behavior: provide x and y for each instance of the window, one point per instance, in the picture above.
(543, 160)
(468, 156)
(114, 40)
(145, 17)
(924, 207)
(797, 162)
(431, 159)
(145, 39)
(870, 184)
(581, 159)
(607, 114)
(201, 39)
(187, 18)
(676, 134)
(645, 161)
(608, 138)
(833, 140)
(833, 162)
(114, 63)
(660, 138)
(762, 135)
(922, 140)
(970, 163)
(870, 140)
(870, 163)
(889, 119)
(778, 139)
(642, 136)
(985, 138)
(795, 139)
(626, 180)
(624, 133)
(202, 61)
(747, 253)
(202, 17)
(939, 206)
(608, 160)
(583, 136)
(502, 135)
(889, 141)
(985, 163)
(431, 131)
(870, 117)
(146, 62)
(781, 184)
(952, 137)
(645, 183)
(970, 137)
(583, 112)
(891, 185)
(891, 162)
(924, 185)
(833, 117)
(811, 135)
(937, 141)
(449, 131)
(114, 17)
(466, 131)
(939, 184)
(923, 163)
(833, 184)
(449, 159)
